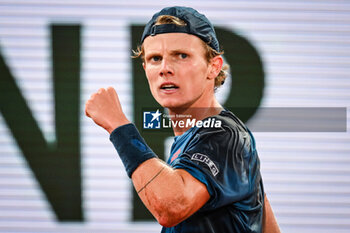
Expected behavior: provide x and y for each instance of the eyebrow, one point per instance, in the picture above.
(172, 52)
(151, 54)
(177, 51)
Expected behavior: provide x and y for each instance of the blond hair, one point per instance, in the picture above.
(209, 51)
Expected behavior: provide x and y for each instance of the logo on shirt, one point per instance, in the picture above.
(175, 155)
(205, 159)
(151, 120)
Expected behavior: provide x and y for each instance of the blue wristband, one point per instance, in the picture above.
(131, 147)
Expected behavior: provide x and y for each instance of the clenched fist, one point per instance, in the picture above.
(105, 110)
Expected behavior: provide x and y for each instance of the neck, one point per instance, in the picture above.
(179, 115)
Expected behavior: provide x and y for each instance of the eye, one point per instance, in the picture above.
(155, 58)
(183, 55)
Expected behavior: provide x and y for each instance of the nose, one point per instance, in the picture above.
(166, 68)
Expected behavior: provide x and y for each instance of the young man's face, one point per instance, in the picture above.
(177, 70)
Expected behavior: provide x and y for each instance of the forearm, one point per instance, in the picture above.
(155, 183)
(148, 172)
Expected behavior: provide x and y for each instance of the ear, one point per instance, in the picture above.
(215, 66)
(144, 65)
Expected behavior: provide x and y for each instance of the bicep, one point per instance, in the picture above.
(196, 191)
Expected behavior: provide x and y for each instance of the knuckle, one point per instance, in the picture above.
(110, 90)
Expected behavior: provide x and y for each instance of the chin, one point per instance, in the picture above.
(170, 104)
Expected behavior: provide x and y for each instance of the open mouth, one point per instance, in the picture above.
(169, 87)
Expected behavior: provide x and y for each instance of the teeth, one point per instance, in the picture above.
(168, 86)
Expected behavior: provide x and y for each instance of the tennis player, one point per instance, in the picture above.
(212, 181)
